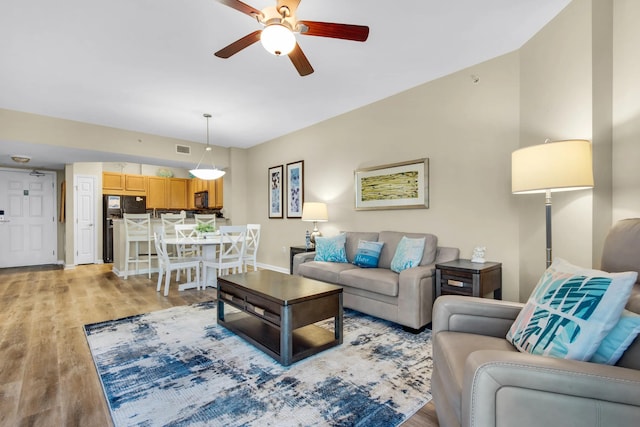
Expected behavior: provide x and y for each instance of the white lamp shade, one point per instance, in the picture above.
(554, 166)
(278, 39)
(207, 174)
(315, 211)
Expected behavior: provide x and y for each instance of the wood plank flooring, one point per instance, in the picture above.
(47, 376)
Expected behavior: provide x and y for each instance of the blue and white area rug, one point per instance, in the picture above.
(177, 367)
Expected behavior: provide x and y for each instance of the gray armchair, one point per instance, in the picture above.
(480, 379)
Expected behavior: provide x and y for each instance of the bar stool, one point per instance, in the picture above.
(137, 229)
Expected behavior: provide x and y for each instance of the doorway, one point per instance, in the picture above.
(28, 229)
(85, 220)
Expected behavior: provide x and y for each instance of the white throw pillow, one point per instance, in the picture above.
(570, 311)
(408, 254)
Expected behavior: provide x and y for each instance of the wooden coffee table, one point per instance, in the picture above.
(278, 312)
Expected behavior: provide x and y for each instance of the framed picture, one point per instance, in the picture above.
(395, 186)
(295, 189)
(275, 191)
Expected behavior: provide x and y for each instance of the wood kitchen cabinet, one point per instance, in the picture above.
(156, 192)
(123, 184)
(216, 197)
(135, 182)
(214, 188)
(112, 181)
(177, 193)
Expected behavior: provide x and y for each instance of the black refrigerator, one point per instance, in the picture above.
(114, 208)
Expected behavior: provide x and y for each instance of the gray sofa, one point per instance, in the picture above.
(480, 379)
(405, 298)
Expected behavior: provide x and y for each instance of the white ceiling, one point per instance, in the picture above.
(148, 65)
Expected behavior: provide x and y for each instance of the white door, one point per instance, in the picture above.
(85, 231)
(28, 231)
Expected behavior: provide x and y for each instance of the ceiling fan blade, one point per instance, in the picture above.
(292, 5)
(242, 7)
(238, 45)
(300, 61)
(358, 33)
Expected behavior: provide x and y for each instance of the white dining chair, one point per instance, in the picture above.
(205, 219)
(186, 232)
(233, 241)
(251, 251)
(169, 222)
(168, 264)
(137, 229)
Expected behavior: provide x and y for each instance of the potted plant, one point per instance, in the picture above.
(205, 230)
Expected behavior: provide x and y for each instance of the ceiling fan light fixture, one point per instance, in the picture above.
(207, 174)
(277, 39)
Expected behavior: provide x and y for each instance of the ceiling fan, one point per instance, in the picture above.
(280, 24)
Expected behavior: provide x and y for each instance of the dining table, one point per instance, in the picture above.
(208, 246)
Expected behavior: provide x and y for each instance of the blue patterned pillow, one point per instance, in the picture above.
(408, 254)
(368, 254)
(331, 249)
(570, 311)
(618, 340)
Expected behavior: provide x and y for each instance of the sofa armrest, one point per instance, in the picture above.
(415, 295)
(474, 315)
(301, 258)
(510, 388)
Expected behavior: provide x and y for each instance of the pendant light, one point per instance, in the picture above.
(207, 173)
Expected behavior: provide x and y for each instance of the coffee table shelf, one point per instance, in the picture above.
(277, 313)
(306, 341)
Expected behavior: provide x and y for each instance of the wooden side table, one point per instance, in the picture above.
(293, 250)
(463, 277)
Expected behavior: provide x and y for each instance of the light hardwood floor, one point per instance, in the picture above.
(47, 376)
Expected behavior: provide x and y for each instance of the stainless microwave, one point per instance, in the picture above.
(201, 199)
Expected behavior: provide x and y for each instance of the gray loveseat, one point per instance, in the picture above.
(405, 298)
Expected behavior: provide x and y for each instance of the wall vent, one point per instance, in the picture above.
(183, 149)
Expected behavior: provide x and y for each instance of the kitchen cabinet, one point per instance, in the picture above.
(123, 184)
(134, 182)
(156, 192)
(177, 193)
(112, 181)
(216, 199)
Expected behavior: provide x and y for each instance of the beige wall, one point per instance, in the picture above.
(626, 109)
(556, 103)
(467, 130)
(33, 128)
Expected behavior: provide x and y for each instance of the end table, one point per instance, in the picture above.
(293, 250)
(463, 277)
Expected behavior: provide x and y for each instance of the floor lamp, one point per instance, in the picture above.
(551, 167)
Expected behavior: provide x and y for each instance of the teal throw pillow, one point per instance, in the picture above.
(408, 254)
(570, 311)
(618, 340)
(368, 254)
(331, 249)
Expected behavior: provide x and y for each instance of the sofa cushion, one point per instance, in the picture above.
(618, 340)
(353, 238)
(408, 254)
(570, 311)
(331, 249)
(391, 240)
(325, 271)
(378, 280)
(368, 254)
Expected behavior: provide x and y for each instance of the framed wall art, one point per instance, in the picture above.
(394, 186)
(295, 189)
(275, 191)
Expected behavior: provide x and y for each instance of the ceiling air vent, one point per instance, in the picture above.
(183, 149)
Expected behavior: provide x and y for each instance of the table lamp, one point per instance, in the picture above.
(315, 212)
(550, 167)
